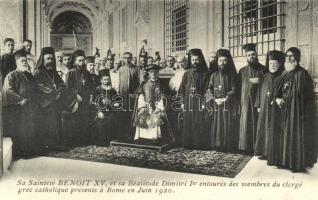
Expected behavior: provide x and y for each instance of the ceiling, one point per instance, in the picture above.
(94, 10)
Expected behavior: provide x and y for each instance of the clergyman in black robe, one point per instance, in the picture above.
(7, 60)
(294, 95)
(222, 88)
(192, 90)
(265, 136)
(104, 113)
(53, 99)
(128, 84)
(20, 105)
(248, 85)
(90, 66)
(76, 125)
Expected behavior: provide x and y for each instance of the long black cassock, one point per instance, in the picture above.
(223, 132)
(50, 109)
(265, 120)
(128, 84)
(104, 129)
(76, 125)
(19, 121)
(297, 138)
(192, 89)
(7, 64)
(249, 114)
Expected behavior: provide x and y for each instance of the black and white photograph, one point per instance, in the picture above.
(158, 99)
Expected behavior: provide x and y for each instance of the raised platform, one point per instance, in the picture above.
(142, 144)
(7, 153)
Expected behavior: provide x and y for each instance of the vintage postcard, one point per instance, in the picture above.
(158, 99)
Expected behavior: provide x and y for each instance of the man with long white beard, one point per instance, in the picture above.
(19, 104)
(294, 95)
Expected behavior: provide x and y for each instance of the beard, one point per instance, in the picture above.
(49, 66)
(252, 61)
(81, 67)
(222, 67)
(289, 66)
(195, 66)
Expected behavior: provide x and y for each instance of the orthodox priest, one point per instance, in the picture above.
(249, 80)
(192, 89)
(7, 60)
(265, 136)
(19, 105)
(54, 97)
(77, 124)
(128, 84)
(90, 66)
(294, 95)
(222, 92)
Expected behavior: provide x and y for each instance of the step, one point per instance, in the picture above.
(7, 153)
(162, 147)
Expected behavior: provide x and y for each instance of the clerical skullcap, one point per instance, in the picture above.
(20, 53)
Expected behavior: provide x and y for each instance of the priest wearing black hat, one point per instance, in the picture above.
(19, 103)
(7, 61)
(90, 66)
(54, 99)
(192, 89)
(150, 116)
(265, 137)
(294, 96)
(249, 80)
(79, 79)
(223, 96)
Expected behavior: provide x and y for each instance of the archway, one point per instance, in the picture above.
(71, 30)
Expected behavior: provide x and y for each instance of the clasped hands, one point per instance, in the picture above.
(220, 101)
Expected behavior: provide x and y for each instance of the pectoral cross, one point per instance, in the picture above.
(268, 93)
(286, 85)
(192, 89)
(220, 87)
(83, 82)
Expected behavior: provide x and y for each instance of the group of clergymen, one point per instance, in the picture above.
(267, 111)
